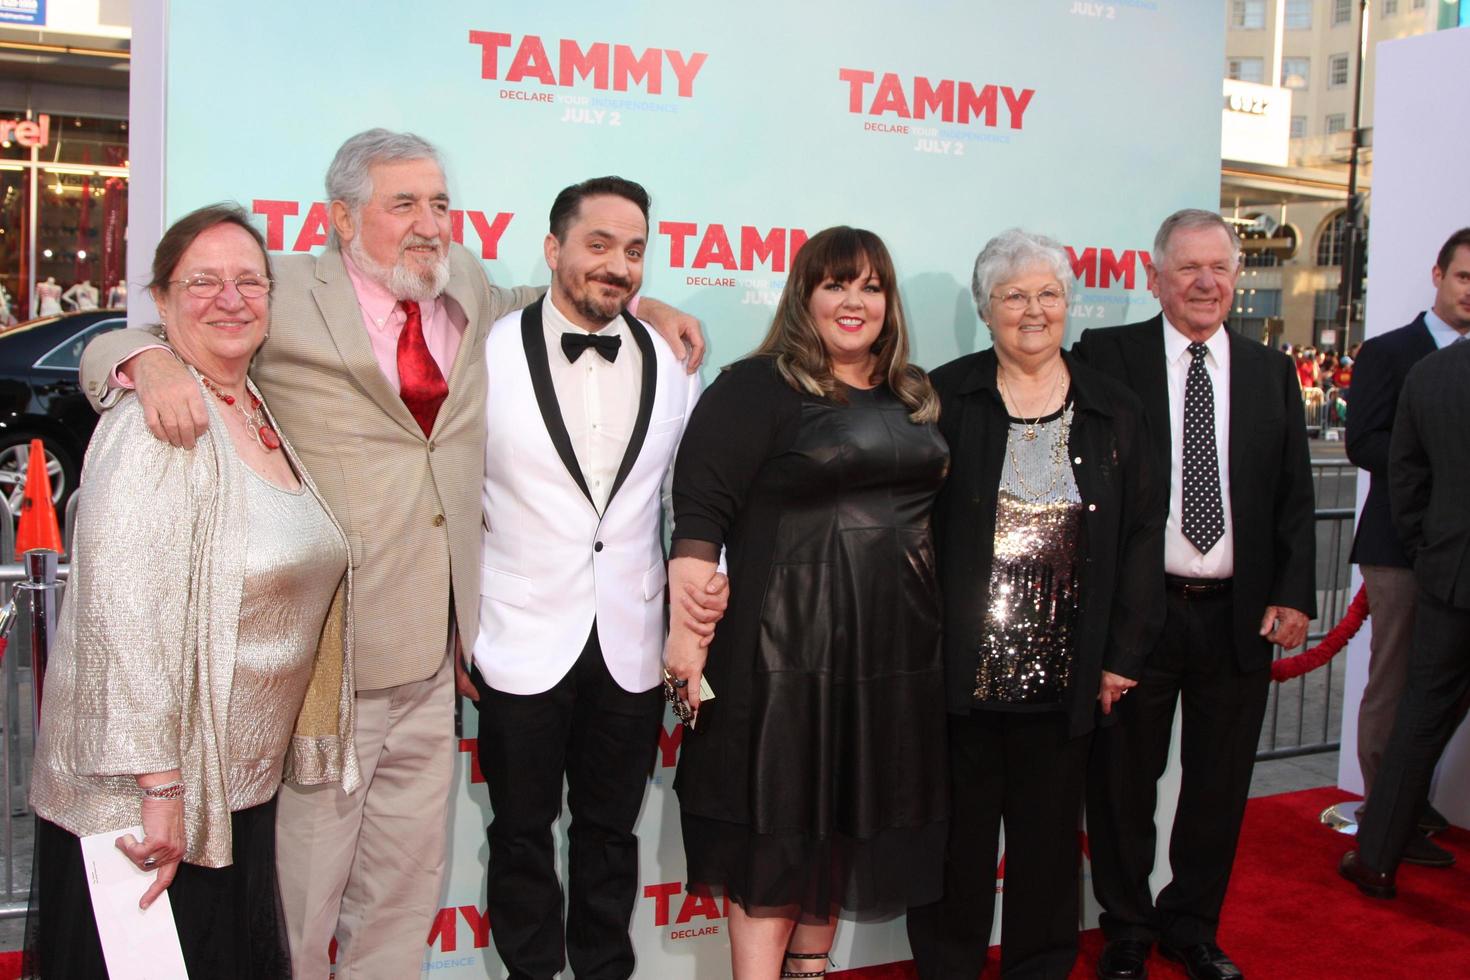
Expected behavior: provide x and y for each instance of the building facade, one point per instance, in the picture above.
(63, 156)
(1293, 217)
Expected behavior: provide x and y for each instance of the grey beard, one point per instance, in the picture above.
(400, 281)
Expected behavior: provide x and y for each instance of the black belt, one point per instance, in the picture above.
(1196, 588)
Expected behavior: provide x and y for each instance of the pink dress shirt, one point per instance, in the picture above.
(382, 318)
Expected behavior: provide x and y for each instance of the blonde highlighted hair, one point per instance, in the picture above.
(841, 254)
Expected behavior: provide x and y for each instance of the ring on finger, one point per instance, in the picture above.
(150, 860)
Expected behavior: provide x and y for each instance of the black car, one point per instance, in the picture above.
(41, 397)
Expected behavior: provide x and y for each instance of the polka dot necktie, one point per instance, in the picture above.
(1203, 521)
(421, 384)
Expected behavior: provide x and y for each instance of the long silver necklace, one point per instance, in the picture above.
(1029, 433)
(1058, 457)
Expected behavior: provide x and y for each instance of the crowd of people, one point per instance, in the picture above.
(902, 611)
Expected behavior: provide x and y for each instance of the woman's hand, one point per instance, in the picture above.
(699, 594)
(684, 658)
(698, 608)
(162, 846)
(1112, 689)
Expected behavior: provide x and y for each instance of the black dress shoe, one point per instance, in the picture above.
(1374, 884)
(1123, 959)
(1432, 822)
(1203, 961)
(1424, 852)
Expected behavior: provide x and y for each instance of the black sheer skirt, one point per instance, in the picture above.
(230, 922)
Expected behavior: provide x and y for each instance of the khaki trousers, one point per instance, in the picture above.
(369, 866)
(1391, 596)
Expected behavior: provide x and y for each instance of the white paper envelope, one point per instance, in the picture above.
(137, 944)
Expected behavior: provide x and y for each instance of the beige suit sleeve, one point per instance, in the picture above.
(102, 356)
(503, 300)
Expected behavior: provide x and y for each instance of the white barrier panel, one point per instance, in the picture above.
(1417, 204)
(936, 124)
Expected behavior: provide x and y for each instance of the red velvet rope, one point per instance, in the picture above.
(1308, 660)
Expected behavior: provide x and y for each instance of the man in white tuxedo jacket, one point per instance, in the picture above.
(587, 411)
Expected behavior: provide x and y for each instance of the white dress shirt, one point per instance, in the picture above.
(598, 398)
(1180, 556)
(1442, 333)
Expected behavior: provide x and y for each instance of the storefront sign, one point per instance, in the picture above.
(27, 132)
(31, 12)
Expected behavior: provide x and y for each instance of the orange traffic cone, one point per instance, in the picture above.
(38, 525)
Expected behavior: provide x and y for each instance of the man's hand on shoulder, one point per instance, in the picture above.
(681, 330)
(173, 405)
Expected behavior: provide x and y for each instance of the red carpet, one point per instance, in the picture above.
(1289, 915)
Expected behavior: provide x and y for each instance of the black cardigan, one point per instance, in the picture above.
(1125, 503)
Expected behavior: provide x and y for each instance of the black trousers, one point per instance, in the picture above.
(1195, 664)
(229, 919)
(1023, 771)
(602, 739)
(1429, 711)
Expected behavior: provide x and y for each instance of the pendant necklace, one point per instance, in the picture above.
(1029, 432)
(255, 422)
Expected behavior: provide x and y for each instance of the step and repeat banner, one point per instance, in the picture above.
(1414, 211)
(754, 125)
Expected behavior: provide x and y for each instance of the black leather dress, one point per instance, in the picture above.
(817, 775)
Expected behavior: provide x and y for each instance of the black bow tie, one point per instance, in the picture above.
(573, 343)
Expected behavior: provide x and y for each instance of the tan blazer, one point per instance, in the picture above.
(409, 503)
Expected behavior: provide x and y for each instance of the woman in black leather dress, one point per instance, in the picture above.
(815, 778)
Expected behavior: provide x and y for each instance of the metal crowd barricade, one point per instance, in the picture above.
(1334, 413)
(31, 589)
(1314, 404)
(1304, 715)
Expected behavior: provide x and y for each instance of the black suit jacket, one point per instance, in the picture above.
(1378, 378)
(1120, 576)
(1429, 473)
(1272, 502)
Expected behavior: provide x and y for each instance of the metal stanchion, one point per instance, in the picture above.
(40, 586)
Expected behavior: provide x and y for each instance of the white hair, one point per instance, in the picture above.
(1189, 219)
(1011, 253)
(349, 178)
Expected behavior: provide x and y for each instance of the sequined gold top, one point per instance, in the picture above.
(293, 563)
(1027, 647)
(142, 677)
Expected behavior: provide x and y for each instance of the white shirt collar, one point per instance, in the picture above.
(1442, 332)
(1176, 344)
(555, 323)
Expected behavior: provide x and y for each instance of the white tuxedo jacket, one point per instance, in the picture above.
(550, 564)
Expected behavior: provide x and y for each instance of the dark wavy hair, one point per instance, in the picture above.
(841, 254)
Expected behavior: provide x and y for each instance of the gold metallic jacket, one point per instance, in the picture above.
(140, 677)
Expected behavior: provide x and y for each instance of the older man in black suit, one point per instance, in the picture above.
(1226, 418)
(1378, 379)
(1429, 482)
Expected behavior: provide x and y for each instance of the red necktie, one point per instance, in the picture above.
(421, 384)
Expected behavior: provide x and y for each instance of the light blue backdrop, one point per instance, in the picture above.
(1122, 128)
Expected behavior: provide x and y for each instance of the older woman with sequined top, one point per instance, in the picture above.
(1050, 553)
(203, 649)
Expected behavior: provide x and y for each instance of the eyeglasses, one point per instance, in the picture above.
(208, 287)
(1017, 301)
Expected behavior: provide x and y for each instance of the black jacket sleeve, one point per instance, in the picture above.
(1409, 474)
(738, 423)
(1372, 402)
(1294, 582)
(1138, 615)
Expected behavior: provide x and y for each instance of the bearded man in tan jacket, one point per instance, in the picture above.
(374, 368)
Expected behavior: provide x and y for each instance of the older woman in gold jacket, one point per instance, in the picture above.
(203, 650)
